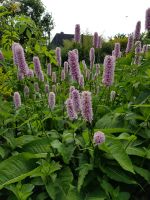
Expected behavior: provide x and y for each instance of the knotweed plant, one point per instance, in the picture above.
(72, 115)
(17, 100)
(84, 135)
(108, 73)
(86, 106)
(77, 36)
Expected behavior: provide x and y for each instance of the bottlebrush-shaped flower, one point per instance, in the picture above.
(58, 55)
(147, 19)
(97, 69)
(14, 53)
(21, 62)
(26, 91)
(138, 47)
(51, 100)
(92, 57)
(84, 65)
(112, 95)
(137, 31)
(70, 109)
(17, 100)
(108, 73)
(41, 76)
(74, 65)
(130, 43)
(66, 67)
(49, 69)
(88, 74)
(36, 87)
(54, 88)
(76, 100)
(99, 138)
(145, 48)
(20, 75)
(46, 88)
(95, 40)
(54, 77)
(30, 73)
(63, 75)
(77, 36)
(99, 42)
(77, 52)
(81, 81)
(117, 52)
(70, 91)
(86, 106)
(37, 65)
(137, 59)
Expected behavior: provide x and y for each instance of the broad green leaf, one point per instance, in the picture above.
(51, 189)
(114, 130)
(21, 191)
(107, 187)
(65, 179)
(136, 151)
(119, 154)
(83, 171)
(124, 196)
(48, 168)
(63, 184)
(41, 145)
(143, 172)
(117, 174)
(96, 195)
(23, 140)
(17, 168)
(110, 121)
(126, 136)
(65, 150)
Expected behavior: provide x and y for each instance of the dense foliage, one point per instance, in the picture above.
(47, 153)
(31, 13)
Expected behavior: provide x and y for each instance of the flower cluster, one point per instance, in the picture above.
(75, 96)
(51, 100)
(116, 52)
(58, 55)
(19, 58)
(108, 73)
(147, 19)
(99, 138)
(74, 65)
(130, 43)
(137, 31)
(70, 109)
(92, 57)
(96, 40)
(86, 106)
(77, 33)
(17, 100)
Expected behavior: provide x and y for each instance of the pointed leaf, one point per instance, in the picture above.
(17, 168)
(143, 172)
(118, 152)
(83, 171)
(117, 174)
